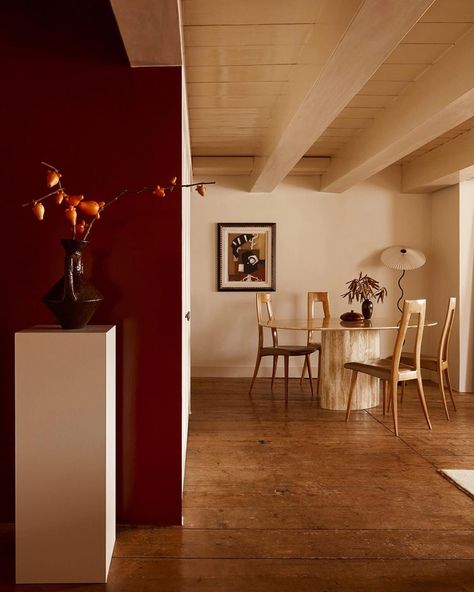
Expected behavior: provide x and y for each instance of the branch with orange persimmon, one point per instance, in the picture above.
(91, 210)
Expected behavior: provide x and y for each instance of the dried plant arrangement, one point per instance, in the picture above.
(364, 288)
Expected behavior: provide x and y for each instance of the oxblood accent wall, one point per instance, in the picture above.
(70, 98)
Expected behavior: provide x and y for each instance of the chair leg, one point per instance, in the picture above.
(257, 366)
(401, 396)
(441, 388)
(286, 379)
(423, 401)
(351, 392)
(303, 371)
(393, 397)
(319, 373)
(450, 388)
(308, 365)
(275, 363)
(384, 394)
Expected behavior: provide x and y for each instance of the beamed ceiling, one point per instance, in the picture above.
(336, 89)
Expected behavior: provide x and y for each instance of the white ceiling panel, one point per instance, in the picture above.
(417, 53)
(450, 11)
(250, 55)
(215, 102)
(248, 62)
(235, 35)
(235, 89)
(254, 12)
(258, 73)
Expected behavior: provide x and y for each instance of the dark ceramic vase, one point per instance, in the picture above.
(367, 309)
(73, 299)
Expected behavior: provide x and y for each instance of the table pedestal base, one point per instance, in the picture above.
(337, 348)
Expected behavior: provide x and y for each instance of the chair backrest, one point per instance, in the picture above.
(322, 297)
(410, 307)
(265, 313)
(446, 333)
(313, 298)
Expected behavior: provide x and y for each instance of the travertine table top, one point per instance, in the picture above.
(335, 324)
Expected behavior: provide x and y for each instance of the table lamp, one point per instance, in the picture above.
(403, 258)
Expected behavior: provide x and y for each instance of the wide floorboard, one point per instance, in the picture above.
(279, 499)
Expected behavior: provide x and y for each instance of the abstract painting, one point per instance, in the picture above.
(246, 257)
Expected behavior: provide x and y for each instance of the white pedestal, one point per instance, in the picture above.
(65, 454)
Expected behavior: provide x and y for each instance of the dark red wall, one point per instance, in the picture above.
(70, 98)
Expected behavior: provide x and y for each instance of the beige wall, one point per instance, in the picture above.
(186, 174)
(323, 240)
(451, 274)
(444, 268)
(466, 285)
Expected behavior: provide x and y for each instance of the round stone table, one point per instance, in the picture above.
(343, 342)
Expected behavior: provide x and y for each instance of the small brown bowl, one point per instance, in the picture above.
(352, 317)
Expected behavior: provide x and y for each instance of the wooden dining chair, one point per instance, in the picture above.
(392, 370)
(438, 363)
(313, 298)
(265, 313)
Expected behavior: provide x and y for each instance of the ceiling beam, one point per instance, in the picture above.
(362, 48)
(438, 101)
(150, 31)
(244, 165)
(449, 164)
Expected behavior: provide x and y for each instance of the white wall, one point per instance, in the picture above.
(186, 172)
(466, 286)
(451, 274)
(444, 268)
(323, 241)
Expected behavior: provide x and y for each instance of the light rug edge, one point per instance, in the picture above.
(463, 479)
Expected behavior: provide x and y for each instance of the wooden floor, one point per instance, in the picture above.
(297, 500)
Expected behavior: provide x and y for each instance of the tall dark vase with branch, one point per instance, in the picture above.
(365, 289)
(73, 299)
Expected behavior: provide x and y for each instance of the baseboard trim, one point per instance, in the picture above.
(264, 372)
(243, 371)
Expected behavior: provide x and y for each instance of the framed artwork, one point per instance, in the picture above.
(246, 257)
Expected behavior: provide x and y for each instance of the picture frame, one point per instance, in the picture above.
(246, 256)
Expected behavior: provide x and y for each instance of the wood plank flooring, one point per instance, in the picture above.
(296, 499)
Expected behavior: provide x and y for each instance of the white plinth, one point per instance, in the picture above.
(65, 454)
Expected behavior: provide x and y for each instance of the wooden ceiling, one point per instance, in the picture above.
(338, 89)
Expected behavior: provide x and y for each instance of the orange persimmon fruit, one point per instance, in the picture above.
(60, 195)
(52, 178)
(90, 208)
(38, 210)
(71, 215)
(201, 189)
(73, 200)
(159, 191)
(80, 228)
